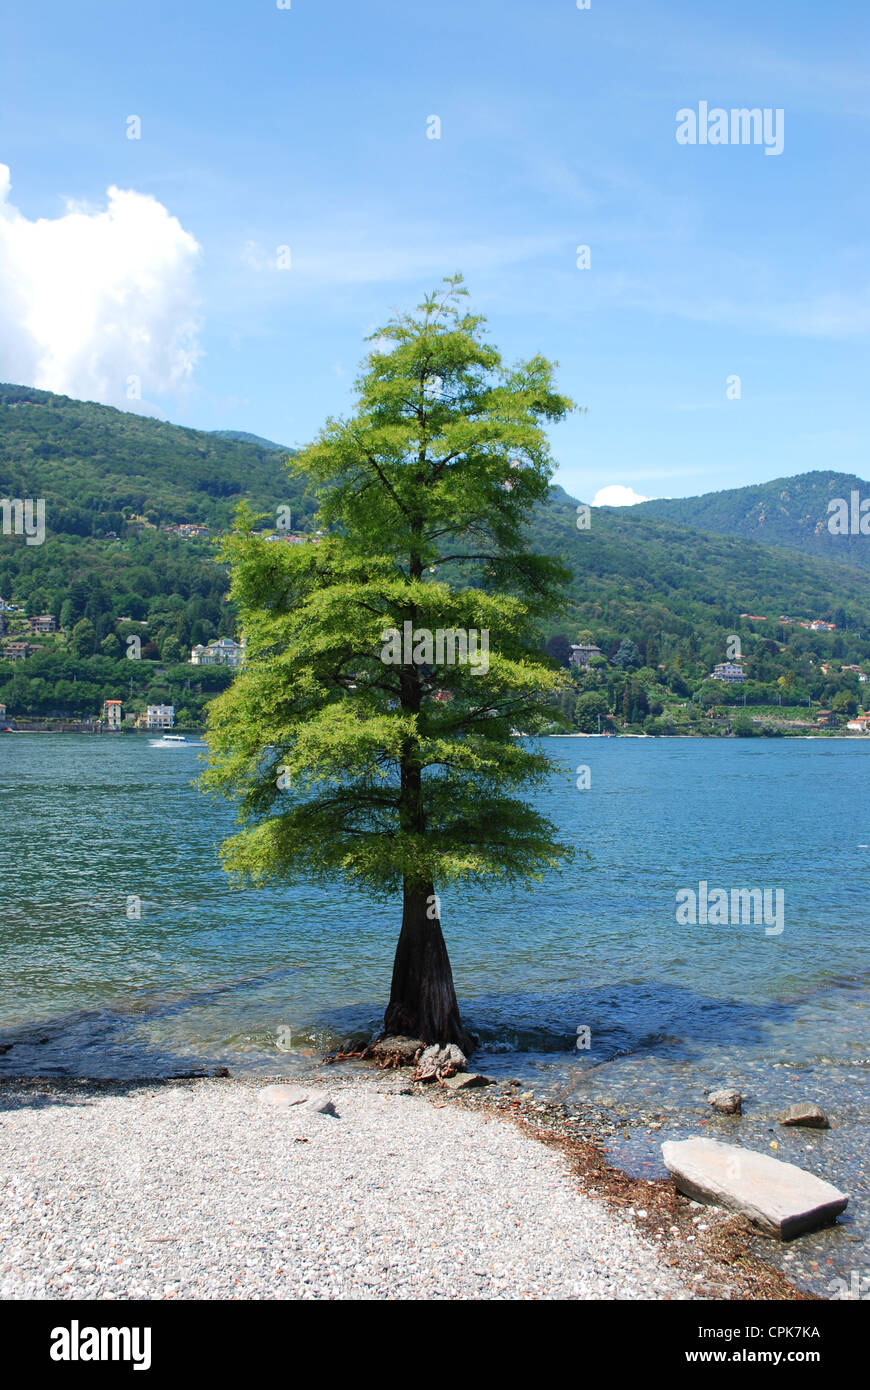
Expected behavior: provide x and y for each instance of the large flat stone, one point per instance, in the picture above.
(282, 1097)
(778, 1197)
(286, 1097)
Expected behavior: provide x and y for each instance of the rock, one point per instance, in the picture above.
(778, 1197)
(319, 1103)
(398, 1051)
(286, 1097)
(437, 1062)
(465, 1080)
(726, 1102)
(283, 1096)
(805, 1113)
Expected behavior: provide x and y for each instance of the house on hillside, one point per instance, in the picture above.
(222, 651)
(191, 530)
(727, 671)
(582, 653)
(46, 622)
(17, 651)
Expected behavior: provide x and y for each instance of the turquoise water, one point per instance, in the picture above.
(209, 975)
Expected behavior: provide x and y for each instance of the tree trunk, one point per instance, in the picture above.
(422, 997)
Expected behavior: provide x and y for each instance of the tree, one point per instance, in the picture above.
(627, 656)
(83, 638)
(356, 749)
(590, 709)
(559, 648)
(845, 703)
(170, 652)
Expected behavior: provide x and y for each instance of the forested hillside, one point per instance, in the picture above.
(791, 512)
(661, 598)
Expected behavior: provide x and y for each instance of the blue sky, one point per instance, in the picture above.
(306, 128)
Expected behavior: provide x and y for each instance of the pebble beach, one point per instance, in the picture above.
(197, 1190)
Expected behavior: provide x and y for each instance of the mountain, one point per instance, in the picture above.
(253, 439)
(638, 560)
(789, 512)
(97, 468)
(654, 586)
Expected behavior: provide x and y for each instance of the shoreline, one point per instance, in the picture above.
(707, 1244)
(673, 1248)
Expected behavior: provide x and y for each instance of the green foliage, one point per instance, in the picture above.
(384, 772)
(83, 639)
(590, 712)
(742, 725)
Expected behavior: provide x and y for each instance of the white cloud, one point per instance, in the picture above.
(616, 495)
(96, 296)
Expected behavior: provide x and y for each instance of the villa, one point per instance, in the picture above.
(223, 651)
(582, 653)
(727, 671)
(157, 717)
(17, 651)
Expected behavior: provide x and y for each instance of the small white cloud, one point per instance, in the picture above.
(96, 297)
(616, 495)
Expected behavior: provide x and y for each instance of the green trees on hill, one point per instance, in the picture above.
(642, 584)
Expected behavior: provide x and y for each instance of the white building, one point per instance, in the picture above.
(160, 717)
(728, 671)
(222, 651)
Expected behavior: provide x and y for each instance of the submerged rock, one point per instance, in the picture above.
(726, 1101)
(465, 1080)
(805, 1113)
(778, 1197)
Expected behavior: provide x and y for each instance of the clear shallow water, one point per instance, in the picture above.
(211, 976)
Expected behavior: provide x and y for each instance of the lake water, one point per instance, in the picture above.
(206, 975)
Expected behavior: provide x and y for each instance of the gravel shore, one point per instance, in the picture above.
(195, 1189)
